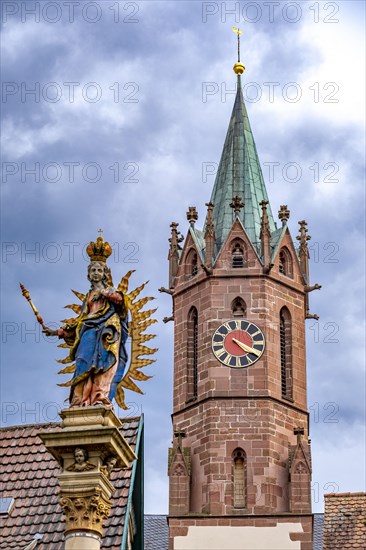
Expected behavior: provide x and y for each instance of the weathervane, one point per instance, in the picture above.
(238, 67)
(238, 32)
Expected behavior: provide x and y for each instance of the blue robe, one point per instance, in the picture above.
(93, 337)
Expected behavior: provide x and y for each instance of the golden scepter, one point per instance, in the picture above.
(26, 295)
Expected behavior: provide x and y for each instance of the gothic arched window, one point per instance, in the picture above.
(285, 262)
(286, 353)
(192, 354)
(194, 266)
(238, 254)
(238, 308)
(191, 263)
(239, 478)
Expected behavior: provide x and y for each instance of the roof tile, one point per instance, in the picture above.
(156, 532)
(29, 475)
(344, 521)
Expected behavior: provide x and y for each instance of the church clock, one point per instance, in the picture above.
(238, 343)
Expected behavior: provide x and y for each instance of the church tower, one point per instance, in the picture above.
(240, 465)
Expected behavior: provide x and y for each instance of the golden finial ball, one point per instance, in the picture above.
(239, 68)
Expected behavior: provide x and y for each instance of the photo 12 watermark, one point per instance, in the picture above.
(327, 413)
(21, 412)
(70, 11)
(67, 251)
(290, 172)
(270, 12)
(72, 92)
(68, 172)
(258, 491)
(325, 333)
(289, 92)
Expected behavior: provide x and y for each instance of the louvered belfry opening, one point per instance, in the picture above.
(286, 353)
(195, 355)
(191, 264)
(237, 259)
(192, 354)
(283, 355)
(194, 266)
(240, 475)
(282, 267)
(285, 262)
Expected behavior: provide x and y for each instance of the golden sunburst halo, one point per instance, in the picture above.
(140, 321)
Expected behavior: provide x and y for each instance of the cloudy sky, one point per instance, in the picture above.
(114, 115)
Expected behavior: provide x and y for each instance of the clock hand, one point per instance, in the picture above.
(246, 348)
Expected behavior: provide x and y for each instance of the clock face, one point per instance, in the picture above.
(238, 343)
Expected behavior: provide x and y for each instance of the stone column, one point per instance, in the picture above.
(87, 446)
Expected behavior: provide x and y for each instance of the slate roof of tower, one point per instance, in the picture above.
(156, 532)
(28, 474)
(318, 531)
(239, 173)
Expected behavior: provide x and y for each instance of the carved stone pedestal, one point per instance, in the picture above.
(87, 447)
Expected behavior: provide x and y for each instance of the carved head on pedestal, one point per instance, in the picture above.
(80, 456)
(81, 463)
(109, 463)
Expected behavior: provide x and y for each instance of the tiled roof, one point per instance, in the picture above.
(28, 473)
(318, 531)
(344, 521)
(156, 532)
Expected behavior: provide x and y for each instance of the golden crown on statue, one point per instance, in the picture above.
(100, 250)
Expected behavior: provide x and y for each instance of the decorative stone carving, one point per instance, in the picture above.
(85, 512)
(81, 463)
(209, 238)
(192, 215)
(284, 214)
(301, 468)
(90, 445)
(108, 466)
(265, 236)
(179, 470)
(173, 257)
(237, 204)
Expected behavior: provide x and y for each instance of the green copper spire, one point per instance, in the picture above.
(239, 175)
